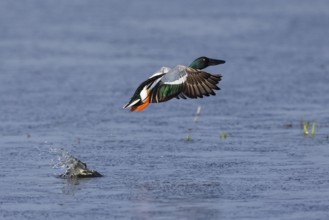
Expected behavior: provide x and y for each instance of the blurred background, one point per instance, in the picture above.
(68, 67)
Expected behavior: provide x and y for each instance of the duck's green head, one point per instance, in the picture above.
(204, 62)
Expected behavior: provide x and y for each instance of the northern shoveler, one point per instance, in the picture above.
(179, 82)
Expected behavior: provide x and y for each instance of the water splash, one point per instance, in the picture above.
(197, 114)
(72, 167)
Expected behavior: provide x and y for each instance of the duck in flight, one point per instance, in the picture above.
(179, 82)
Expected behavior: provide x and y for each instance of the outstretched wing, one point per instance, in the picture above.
(199, 84)
(182, 82)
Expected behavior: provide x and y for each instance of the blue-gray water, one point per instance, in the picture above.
(68, 67)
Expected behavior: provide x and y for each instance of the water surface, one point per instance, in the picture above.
(67, 68)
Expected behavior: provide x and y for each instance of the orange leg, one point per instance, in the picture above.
(144, 105)
(133, 108)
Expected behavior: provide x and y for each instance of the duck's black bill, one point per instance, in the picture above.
(213, 62)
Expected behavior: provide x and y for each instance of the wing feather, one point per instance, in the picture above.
(202, 83)
(184, 82)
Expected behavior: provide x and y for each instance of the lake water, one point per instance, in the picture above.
(68, 67)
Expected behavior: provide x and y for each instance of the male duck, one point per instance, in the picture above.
(179, 82)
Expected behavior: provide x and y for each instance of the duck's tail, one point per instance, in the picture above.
(131, 103)
(136, 106)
